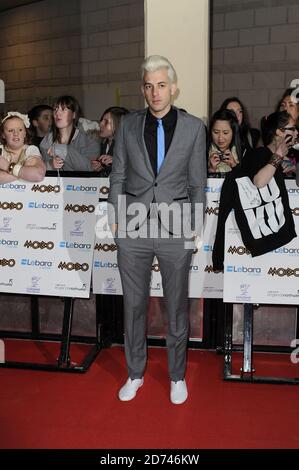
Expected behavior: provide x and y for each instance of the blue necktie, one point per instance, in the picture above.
(160, 144)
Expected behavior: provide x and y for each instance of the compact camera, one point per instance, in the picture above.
(221, 155)
(60, 150)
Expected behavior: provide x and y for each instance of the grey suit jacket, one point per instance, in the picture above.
(181, 179)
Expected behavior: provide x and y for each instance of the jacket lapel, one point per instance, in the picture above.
(140, 137)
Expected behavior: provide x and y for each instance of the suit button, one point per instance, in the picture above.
(156, 184)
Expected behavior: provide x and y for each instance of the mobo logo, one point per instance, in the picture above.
(156, 268)
(43, 188)
(39, 245)
(238, 250)
(11, 205)
(79, 208)
(104, 190)
(284, 272)
(209, 269)
(7, 262)
(212, 210)
(105, 247)
(73, 266)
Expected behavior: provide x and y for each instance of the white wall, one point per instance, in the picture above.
(179, 30)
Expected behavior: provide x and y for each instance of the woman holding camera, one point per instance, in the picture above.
(224, 149)
(67, 147)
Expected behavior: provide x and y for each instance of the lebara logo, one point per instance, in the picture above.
(9, 243)
(207, 248)
(245, 270)
(36, 263)
(287, 251)
(211, 189)
(34, 288)
(77, 230)
(194, 268)
(13, 186)
(75, 245)
(86, 189)
(42, 205)
(106, 265)
(293, 191)
(108, 285)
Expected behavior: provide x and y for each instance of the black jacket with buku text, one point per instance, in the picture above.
(263, 215)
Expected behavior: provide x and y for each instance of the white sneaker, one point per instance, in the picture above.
(178, 392)
(129, 390)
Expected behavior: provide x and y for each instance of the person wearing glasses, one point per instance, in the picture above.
(286, 131)
(289, 103)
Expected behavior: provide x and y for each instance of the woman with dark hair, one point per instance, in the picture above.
(289, 103)
(224, 148)
(67, 147)
(248, 135)
(279, 134)
(109, 123)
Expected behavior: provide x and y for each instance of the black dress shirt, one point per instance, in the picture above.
(150, 134)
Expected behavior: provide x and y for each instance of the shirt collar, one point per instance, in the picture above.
(168, 120)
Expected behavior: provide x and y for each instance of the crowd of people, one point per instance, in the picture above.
(64, 140)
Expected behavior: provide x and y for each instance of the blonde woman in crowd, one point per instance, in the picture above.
(18, 160)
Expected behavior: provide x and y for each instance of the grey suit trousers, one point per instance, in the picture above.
(135, 258)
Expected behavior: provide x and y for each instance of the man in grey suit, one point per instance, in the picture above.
(155, 209)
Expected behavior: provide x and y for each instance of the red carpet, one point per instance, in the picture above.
(62, 410)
